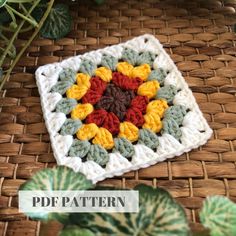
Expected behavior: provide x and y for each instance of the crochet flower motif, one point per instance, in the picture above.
(113, 105)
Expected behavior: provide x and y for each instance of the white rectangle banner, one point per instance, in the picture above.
(79, 201)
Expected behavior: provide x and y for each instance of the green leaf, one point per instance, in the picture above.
(59, 178)
(58, 24)
(38, 12)
(75, 231)
(99, 2)
(4, 16)
(2, 3)
(158, 214)
(218, 214)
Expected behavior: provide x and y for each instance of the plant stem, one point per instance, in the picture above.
(32, 22)
(16, 34)
(11, 14)
(25, 11)
(20, 1)
(30, 27)
(4, 38)
(11, 54)
(50, 4)
(12, 50)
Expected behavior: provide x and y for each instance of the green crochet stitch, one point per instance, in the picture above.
(167, 92)
(109, 62)
(171, 127)
(177, 112)
(98, 154)
(148, 138)
(61, 86)
(146, 58)
(159, 75)
(66, 105)
(79, 148)
(68, 75)
(87, 67)
(70, 127)
(130, 56)
(124, 147)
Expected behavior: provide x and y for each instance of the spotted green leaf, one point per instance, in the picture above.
(158, 215)
(99, 2)
(59, 178)
(218, 214)
(58, 23)
(75, 231)
(2, 3)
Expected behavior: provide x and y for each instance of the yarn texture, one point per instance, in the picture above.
(118, 109)
(79, 148)
(68, 75)
(159, 74)
(109, 61)
(66, 105)
(70, 127)
(61, 87)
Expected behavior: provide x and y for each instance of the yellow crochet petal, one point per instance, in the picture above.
(152, 122)
(87, 131)
(81, 111)
(76, 91)
(104, 138)
(157, 106)
(83, 79)
(148, 89)
(128, 131)
(125, 68)
(104, 73)
(142, 72)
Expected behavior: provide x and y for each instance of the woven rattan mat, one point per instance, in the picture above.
(198, 36)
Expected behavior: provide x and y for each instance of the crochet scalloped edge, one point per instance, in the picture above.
(45, 73)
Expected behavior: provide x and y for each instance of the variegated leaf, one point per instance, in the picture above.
(2, 3)
(218, 214)
(158, 215)
(59, 178)
(59, 22)
(75, 231)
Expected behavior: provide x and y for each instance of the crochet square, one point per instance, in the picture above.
(119, 109)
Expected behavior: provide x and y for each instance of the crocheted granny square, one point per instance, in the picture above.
(119, 109)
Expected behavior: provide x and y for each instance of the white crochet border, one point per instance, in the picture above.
(195, 130)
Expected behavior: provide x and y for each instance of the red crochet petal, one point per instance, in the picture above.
(91, 97)
(96, 117)
(135, 116)
(112, 123)
(98, 85)
(125, 82)
(140, 102)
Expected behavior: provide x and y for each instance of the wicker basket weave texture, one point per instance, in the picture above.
(196, 34)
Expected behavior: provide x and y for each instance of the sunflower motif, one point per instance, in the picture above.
(115, 105)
